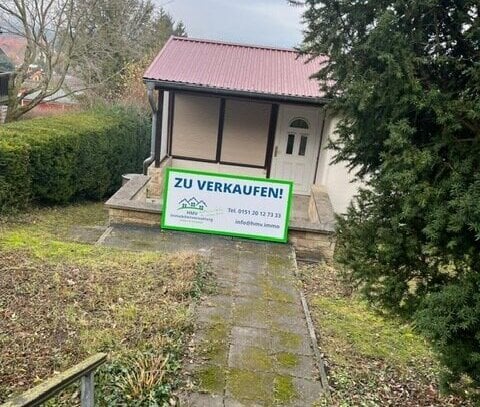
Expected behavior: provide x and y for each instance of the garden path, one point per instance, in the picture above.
(252, 345)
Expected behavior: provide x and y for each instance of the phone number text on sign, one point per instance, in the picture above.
(255, 213)
(233, 205)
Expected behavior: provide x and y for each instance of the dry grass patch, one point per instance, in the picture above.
(372, 359)
(62, 301)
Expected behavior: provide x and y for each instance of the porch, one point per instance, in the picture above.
(312, 223)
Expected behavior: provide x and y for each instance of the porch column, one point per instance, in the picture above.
(221, 124)
(272, 127)
(159, 127)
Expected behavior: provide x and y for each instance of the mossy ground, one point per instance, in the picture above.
(284, 390)
(248, 385)
(277, 262)
(211, 379)
(63, 301)
(287, 359)
(256, 359)
(267, 360)
(255, 387)
(289, 339)
(214, 346)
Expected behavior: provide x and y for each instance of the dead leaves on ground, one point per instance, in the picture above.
(53, 314)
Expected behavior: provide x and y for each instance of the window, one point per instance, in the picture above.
(303, 145)
(195, 126)
(290, 143)
(299, 124)
(245, 132)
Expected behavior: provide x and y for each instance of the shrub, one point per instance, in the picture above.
(69, 157)
(14, 178)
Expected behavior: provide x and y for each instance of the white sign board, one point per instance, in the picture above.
(256, 208)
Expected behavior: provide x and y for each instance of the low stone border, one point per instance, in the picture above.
(129, 205)
(104, 235)
(313, 337)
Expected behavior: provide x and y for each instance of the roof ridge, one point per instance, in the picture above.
(235, 44)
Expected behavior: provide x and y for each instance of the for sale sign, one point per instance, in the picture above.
(233, 205)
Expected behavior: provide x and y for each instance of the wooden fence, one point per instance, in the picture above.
(84, 372)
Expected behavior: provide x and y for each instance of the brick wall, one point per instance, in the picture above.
(132, 217)
(313, 245)
(155, 185)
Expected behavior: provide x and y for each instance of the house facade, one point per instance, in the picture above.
(241, 109)
(244, 110)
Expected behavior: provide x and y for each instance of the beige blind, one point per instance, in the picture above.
(245, 132)
(195, 126)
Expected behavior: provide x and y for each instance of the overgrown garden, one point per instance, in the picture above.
(62, 301)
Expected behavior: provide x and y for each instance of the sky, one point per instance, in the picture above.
(262, 22)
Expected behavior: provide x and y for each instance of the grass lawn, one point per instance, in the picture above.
(372, 360)
(61, 301)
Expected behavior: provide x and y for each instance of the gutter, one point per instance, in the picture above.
(154, 107)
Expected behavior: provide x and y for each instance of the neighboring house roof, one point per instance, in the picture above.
(14, 46)
(5, 64)
(60, 97)
(64, 95)
(235, 67)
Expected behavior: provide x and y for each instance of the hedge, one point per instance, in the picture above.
(55, 160)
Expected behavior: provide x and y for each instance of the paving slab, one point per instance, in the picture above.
(205, 400)
(247, 336)
(86, 234)
(251, 345)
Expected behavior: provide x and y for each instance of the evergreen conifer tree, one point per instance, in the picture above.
(405, 76)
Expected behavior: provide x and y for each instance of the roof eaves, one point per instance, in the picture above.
(182, 86)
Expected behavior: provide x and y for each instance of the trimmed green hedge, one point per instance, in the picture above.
(69, 157)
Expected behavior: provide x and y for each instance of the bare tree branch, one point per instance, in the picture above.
(48, 27)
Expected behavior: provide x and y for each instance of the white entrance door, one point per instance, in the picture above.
(296, 146)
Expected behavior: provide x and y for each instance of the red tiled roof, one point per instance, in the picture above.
(14, 46)
(236, 67)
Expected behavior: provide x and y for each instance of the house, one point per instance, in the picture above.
(14, 47)
(6, 70)
(60, 102)
(245, 109)
(250, 110)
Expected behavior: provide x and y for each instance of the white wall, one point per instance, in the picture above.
(220, 168)
(335, 177)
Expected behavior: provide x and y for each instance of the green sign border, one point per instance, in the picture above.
(284, 239)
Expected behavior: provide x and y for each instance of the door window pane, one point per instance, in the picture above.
(299, 124)
(290, 142)
(303, 145)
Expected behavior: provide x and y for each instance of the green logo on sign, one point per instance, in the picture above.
(192, 204)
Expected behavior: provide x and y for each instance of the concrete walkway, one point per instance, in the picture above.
(251, 345)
